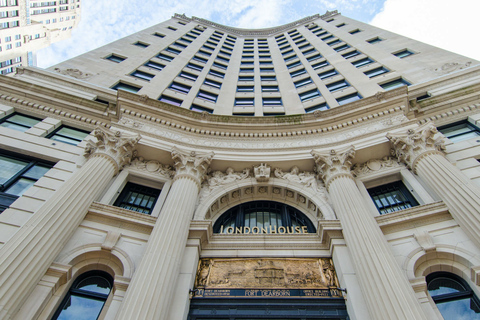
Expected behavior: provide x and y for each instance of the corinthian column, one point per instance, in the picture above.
(29, 253)
(149, 294)
(386, 289)
(423, 153)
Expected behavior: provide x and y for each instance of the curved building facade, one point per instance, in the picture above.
(323, 169)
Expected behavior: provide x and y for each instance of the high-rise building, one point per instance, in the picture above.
(323, 169)
(27, 26)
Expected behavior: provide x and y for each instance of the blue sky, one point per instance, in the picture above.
(437, 22)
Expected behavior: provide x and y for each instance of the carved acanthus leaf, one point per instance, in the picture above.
(333, 163)
(375, 165)
(191, 164)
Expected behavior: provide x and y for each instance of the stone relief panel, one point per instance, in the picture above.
(305, 178)
(451, 66)
(374, 165)
(153, 166)
(274, 273)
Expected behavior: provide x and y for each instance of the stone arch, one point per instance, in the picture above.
(299, 196)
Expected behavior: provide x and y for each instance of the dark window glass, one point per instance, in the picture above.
(179, 44)
(327, 38)
(287, 52)
(246, 69)
(265, 57)
(142, 75)
(125, 87)
(303, 82)
(328, 74)
(341, 48)
(180, 87)
(376, 72)
(197, 58)
(19, 122)
(341, 25)
(86, 297)
(314, 57)
(265, 63)
(172, 50)
(268, 78)
(290, 58)
(266, 215)
(68, 135)
(355, 31)
(320, 65)
(244, 101)
(156, 34)
(338, 85)
(138, 198)
(222, 59)
(216, 73)
(245, 89)
(311, 94)
(334, 42)
(453, 296)
(374, 40)
(392, 197)
(351, 54)
(170, 100)
(196, 108)
(394, 84)
(164, 57)
(266, 70)
(297, 73)
(154, 65)
(205, 95)
(318, 107)
(186, 40)
(115, 58)
(245, 78)
(141, 44)
(194, 66)
(205, 53)
(362, 62)
(17, 175)
(460, 131)
(212, 83)
(269, 88)
(349, 98)
(403, 53)
(187, 75)
(272, 101)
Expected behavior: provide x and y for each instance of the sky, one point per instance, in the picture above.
(451, 25)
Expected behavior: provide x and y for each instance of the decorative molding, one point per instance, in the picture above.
(111, 240)
(425, 240)
(153, 166)
(305, 178)
(333, 164)
(451, 66)
(117, 147)
(416, 143)
(191, 164)
(219, 179)
(374, 165)
(75, 73)
(262, 172)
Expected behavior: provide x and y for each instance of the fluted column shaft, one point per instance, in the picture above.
(29, 253)
(153, 285)
(386, 289)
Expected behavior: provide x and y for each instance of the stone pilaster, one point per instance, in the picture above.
(385, 287)
(423, 153)
(29, 253)
(153, 285)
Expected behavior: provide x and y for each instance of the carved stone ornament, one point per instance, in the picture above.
(116, 146)
(75, 73)
(192, 165)
(274, 273)
(413, 145)
(333, 163)
(262, 172)
(153, 166)
(308, 179)
(218, 179)
(452, 66)
(373, 165)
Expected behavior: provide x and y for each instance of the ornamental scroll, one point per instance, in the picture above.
(274, 277)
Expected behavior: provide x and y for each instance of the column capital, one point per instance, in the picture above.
(117, 147)
(191, 164)
(334, 163)
(416, 143)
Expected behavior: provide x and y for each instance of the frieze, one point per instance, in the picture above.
(217, 179)
(153, 166)
(75, 73)
(374, 165)
(274, 273)
(305, 178)
(451, 66)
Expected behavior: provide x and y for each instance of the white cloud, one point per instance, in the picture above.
(449, 25)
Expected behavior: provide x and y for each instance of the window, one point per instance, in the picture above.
(194, 66)
(272, 101)
(305, 46)
(187, 40)
(154, 65)
(403, 54)
(181, 45)
(290, 58)
(327, 38)
(244, 102)
(138, 198)
(341, 48)
(265, 57)
(188, 76)
(392, 197)
(164, 57)
(196, 108)
(245, 89)
(142, 75)
(68, 135)
(328, 74)
(269, 88)
(460, 131)
(115, 58)
(349, 98)
(303, 82)
(266, 70)
(211, 83)
(374, 40)
(351, 54)
(334, 42)
(200, 59)
(222, 59)
(245, 78)
(287, 52)
(268, 78)
(311, 94)
(87, 296)
(320, 65)
(159, 35)
(247, 57)
(141, 44)
(314, 57)
(264, 216)
(376, 72)
(219, 65)
(453, 296)
(309, 51)
(205, 95)
(125, 87)
(394, 84)
(341, 25)
(246, 69)
(339, 85)
(172, 28)
(355, 31)
(297, 73)
(362, 62)
(318, 107)
(170, 100)
(266, 63)
(216, 73)
(19, 122)
(17, 174)
(180, 87)
(174, 51)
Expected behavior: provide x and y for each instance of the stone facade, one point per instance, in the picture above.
(173, 262)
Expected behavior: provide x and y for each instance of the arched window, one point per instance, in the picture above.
(263, 217)
(453, 296)
(86, 297)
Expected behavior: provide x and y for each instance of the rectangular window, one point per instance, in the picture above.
(141, 44)
(334, 42)
(225, 53)
(266, 70)
(314, 57)
(170, 100)
(265, 57)
(303, 82)
(164, 57)
(178, 44)
(142, 75)
(154, 65)
(216, 73)
(376, 72)
(298, 73)
(341, 48)
(68, 135)
(263, 63)
(321, 34)
(200, 59)
(172, 28)
(268, 78)
(125, 87)
(245, 78)
(211, 83)
(349, 98)
(460, 131)
(351, 54)
(194, 66)
(247, 57)
(137, 198)
(392, 197)
(219, 65)
(355, 31)
(188, 76)
(243, 63)
(374, 40)
(309, 51)
(180, 87)
(272, 101)
(269, 88)
(338, 85)
(311, 94)
(403, 54)
(246, 69)
(197, 108)
(205, 53)
(327, 74)
(318, 107)
(290, 58)
(244, 102)
(115, 58)
(320, 65)
(205, 95)
(17, 174)
(341, 25)
(394, 84)
(245, 89)
(172, 50)
(222, 59)
(327, 38)
(287, 52)
(186, 40)
(19, 122)
(156, 34)
(362, 62)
